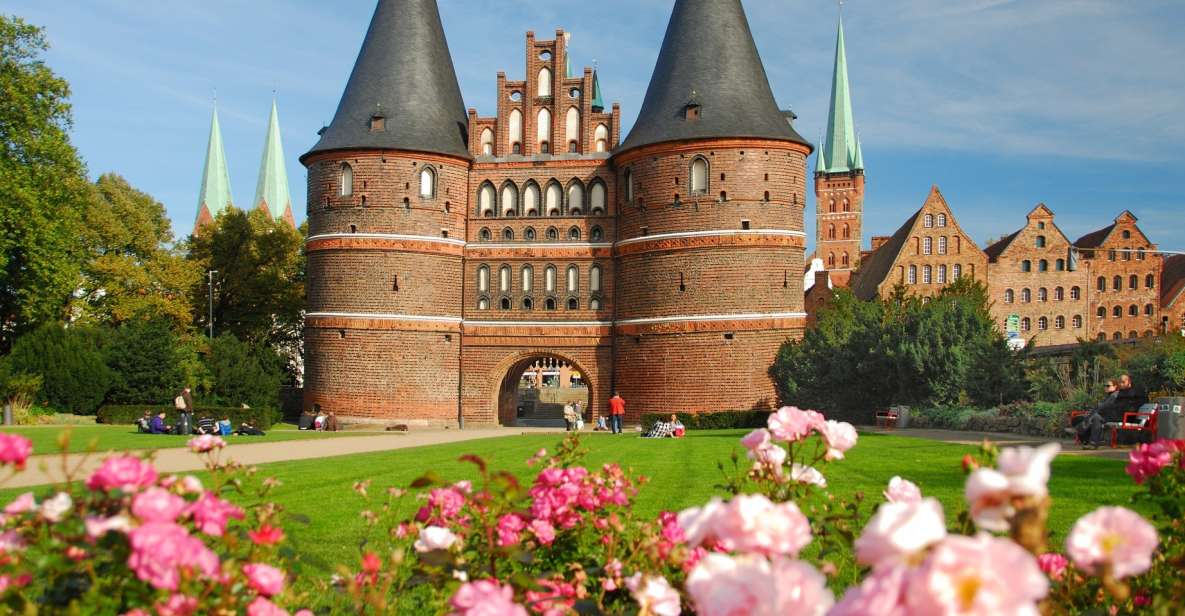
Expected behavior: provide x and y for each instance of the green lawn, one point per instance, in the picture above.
(125, 438)
(683, 473)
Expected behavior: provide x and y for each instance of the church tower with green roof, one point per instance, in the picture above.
(214, 195)
(271, 192)
(839, 178)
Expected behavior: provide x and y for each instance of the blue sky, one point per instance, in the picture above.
(1003, 103)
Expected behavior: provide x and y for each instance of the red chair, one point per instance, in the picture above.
(1073, 414)
(1133, 421)
(886, 418)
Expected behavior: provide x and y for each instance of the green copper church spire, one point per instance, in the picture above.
(215, 194)
(841, 151)
(271, 192)
(598, 102)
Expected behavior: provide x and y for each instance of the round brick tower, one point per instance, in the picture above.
(710, 240)
(387, 196)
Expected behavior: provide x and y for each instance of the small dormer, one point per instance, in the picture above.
(790, 116)
(692, 108)
(378, 120)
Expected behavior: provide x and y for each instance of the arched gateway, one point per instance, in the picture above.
(535, 389)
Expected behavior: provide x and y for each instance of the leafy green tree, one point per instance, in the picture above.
(259, 286)
(243, 373)
(145, 358)
(44, 183)
(132, 273)
(70, 363)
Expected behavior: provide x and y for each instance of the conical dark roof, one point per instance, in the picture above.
(405, 74)
(708, 56)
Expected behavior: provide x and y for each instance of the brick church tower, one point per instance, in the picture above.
(710, 231)
(387, 196)
(839, 180)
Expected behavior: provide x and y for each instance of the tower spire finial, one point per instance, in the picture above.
(271, 191)
(214, 195)
(841, 145)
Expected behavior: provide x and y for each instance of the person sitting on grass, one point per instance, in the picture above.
(207, 425)
(331, 422)
(144, 424)
(224, 427)
(661, 429)
(601, 426)
(248, 428)
(677, 429)
(158, 425)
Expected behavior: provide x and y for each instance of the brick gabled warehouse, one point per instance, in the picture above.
(447, 251)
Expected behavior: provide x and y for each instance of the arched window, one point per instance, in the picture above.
(1026, 296)
(505, 303)
(487, 142)
(957, 272)
(1149, 281)
(1133, 282)
(929, 220)
(483, 279)
(483, 303)
(528, 278)
(699, 176)
(597, 198)
(594, 304)
(575, 198)
(1117, 283)
(516, 131)
(596, 234)
(831, 231)
(1043, 265)
(942, 245)
(508, 234)
(428, 182)
(504, 279)
(927, 245)
(484, 235)
(553, 234)
(544, 82)
(1042, 294)
(1040, 241)
(1043, 323)
(1075, 293)
(1127, 235)
(529, 234)
(347, 180)
(1059, 294)
(572, 129)
(1102, 286)
(942, 220)
(1009, 296)
(1026, 324)
(543, 130)
(831, 259)
(1133, 311)
(845, 260)
(509, 199)
(485, 200)
(594, 279)
(573, 303)
(531, 199)
(573, 279)
(1148, 310)
(574, 233)
(941, 274)
(847, 205)
(549, 279)
(1101, 312)
(1117, 311)
(831, 206)
(528, 304)
(927, 274)
(1077, 321)
(554, 199)
(1111, 257)
(1140, 254)
(847, 231)
(601, 138)
(1061, 265)
(629, 185)
(550, 303)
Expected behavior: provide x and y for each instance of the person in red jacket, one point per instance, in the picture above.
(616, 412)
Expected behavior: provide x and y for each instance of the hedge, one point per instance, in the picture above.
(722, 420)
(130, 413)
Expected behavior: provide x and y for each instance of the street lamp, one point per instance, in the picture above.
(210, 285)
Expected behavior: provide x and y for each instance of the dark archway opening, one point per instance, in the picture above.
(534, 391)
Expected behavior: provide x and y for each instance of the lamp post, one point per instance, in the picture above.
(210, 285)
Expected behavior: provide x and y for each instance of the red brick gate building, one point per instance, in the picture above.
(448, 251)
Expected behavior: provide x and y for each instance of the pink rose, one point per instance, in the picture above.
(435, 538)
(697, 522)
(654, 595)
(900, 530)
(1027, 469)
(97, 527)
(15, 450)
(1053, 565)
(157, 505)
(976, 576)
(159, 550)
(839, 436)
(791, 423)
(177, 605)
(1147, 460)
(902, 491)
(266, 535)
(11, 541)
(127, 473)
(752, 523)
(485, 598)
(211, 514)
(543, 531)
(264, 579)
(756, 439)
(510, 528)
(263, 607)
(882, 593)
(1114, 539)
(989, 499)
(807, 474)
(21, 504)
(205, 443)
(722, 585)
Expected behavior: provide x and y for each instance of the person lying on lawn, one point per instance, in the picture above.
(158, 425)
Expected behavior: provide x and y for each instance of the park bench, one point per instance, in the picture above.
(887, 418)
(1141, 422)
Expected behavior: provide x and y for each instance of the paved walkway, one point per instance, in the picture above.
(48, 468)
(1069, 447)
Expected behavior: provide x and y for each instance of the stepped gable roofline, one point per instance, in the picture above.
(404, 73)
(708, 57)
(1172, 280)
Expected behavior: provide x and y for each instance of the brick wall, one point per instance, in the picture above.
(1102, 264)
(839, 214)
(960, 250)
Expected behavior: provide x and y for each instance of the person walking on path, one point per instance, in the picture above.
(616, 412)
(569, 417)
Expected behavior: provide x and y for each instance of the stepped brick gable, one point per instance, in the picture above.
(1124, 270)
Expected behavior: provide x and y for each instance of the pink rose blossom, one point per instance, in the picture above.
(15, 450)
(443, 507)
(211, 514)
(485, 598)
(1112, 538)
(97, 527)
(510, 528)
(263, 607)
(807, 474)
(127, 473)
(791, 423)
(11, 541)
(1027, 468)
(976, 576)
(1021, 472)
(435, 538)
(206, 443)
(698, 522)
(160, 550)
(989, 499)
(135, 612)
(900, 530)
(56, 507)
(177, 605)
(902, 491)
(882, 593)
(722, 585)
(1147, 460)
(654, 595)
(157, 505)
(21, 504)
(752, 523)
(264, 579)
(556, 599)
(839, 436)
(756, 439)
(1053, 564)
(543, 531)
(266, 535)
